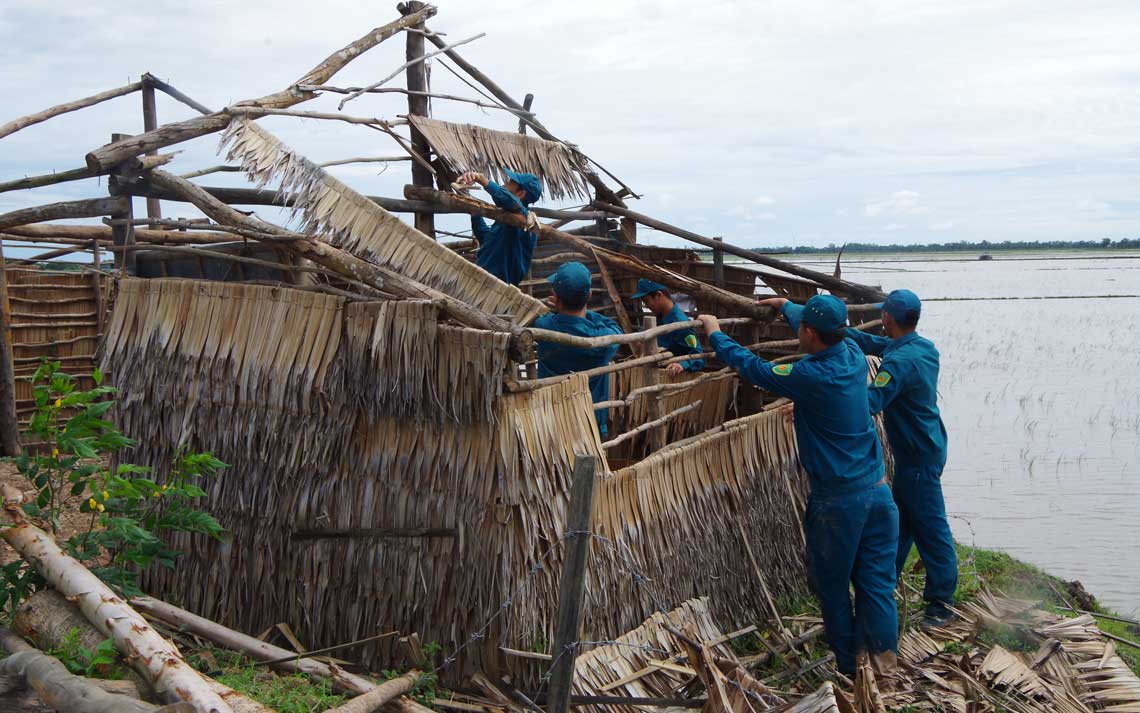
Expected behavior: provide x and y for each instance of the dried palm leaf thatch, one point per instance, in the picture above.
(824, 700)
(466, 147)
(715, 393)
(1005, 671)
(356, 224)
(631, 666)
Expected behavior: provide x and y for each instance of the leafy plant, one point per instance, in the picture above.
(128, 511)
(82, 661)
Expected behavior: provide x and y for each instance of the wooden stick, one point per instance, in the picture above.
(620, 261)
(212, 169)
(572, 583)
(822, 278)
(213, 254)
(84, 234)
(105, 157)
(9, 425)
(16, 124)
(402, 67)
(569, 340)
(88, 208)
(75, 174)
(532, 384)
(608, 282)
(423, 173)
(399, 90)
(255, 111)
(376, 699)
(365, 159)
(651, 424)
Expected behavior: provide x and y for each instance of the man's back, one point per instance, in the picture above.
(556, 359)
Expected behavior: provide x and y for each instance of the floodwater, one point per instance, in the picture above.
(1041, 398)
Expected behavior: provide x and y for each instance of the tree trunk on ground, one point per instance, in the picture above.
(64, 691)
(152, 655)
(375, 699)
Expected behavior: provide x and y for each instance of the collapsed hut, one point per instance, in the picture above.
(394, 461)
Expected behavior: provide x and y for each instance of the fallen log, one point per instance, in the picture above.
(25, 121)
(376, 699)
(66, 692)
(259, 650)
(627, 263)
(116, 152)
(149, 653)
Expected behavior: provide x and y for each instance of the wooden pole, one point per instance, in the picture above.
(174, 94)
(831, 283)
(718, 263)
(123, 231)
(9, 425)
(150, 123)
(15, 125)
(418, 105)
(528, 101)
(572, 585)
(655, 426)
(88, 208)
(98, 278)
(649, 347)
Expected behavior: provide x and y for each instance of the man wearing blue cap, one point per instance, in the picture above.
(571, 283)
(504, 250)
(906, 391)
(682, 342)
(851, 523)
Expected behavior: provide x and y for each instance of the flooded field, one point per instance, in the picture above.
(1040, 391)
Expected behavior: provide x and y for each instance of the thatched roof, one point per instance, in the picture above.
(475, 148)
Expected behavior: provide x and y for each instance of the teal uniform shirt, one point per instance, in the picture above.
(838, 445)
(504, 250)
(681, 343)
(906, 391)
(555, 359)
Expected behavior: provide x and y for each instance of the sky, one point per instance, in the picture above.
(768, 123)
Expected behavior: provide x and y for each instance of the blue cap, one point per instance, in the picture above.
(647, 287)
(823, 313)
(903, 306)
(528, 182)
(571, 280)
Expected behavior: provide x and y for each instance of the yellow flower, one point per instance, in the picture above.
(55, 453)
(156, 493)
(106, 495)
(92, 504)
(58, 403)
(101, 508)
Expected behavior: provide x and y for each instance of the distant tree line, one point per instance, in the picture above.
(964, 246)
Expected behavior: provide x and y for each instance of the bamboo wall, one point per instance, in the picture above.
(53, 317)
(340, 416)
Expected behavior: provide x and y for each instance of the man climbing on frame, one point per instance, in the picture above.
(906, 391)
(851, 523)
(657, 299)
(504, 250)
(571, 284)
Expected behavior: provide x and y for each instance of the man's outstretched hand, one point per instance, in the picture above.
(473, 177)
(776, 303)
(709, 323)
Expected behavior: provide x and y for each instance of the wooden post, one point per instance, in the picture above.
(526, 105)
(122, 232)
(9, 426)
(572, 586)
(718, 264)
(418, 104)
(96, 251)
(656, 435)
(150, 123)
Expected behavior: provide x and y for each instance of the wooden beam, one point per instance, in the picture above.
(822, 278)
(614, 260)
(572, 584)
(528, 102)
(418, 105)
(105, 157)
(150, 123)
(174, 94)
(9, 425)
(531, 385)
(25, 121)
(88, 208)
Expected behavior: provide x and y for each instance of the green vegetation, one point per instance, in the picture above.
(122, 512)
(103, 662)
(983, 246)
(281, 692)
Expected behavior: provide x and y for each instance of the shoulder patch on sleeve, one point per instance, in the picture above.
(782, 369)
(691, 341)
(882, 379)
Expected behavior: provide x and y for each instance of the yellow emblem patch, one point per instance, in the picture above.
(782, 369)
(882, 379)
(691, 340)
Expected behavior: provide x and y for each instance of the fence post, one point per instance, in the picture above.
(9, 426)
(150, 123)
(572, 586)
(718, 265)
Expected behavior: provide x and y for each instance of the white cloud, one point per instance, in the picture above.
(898, 203)
(943, 225)
(763, 200)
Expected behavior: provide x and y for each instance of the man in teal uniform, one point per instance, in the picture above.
(906, 391)
(571, 283)
(851, 523)
(504, 250)
(682, 342)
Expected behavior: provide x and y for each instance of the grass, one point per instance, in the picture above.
(283, 693)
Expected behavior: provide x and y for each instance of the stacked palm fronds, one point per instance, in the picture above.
(715, 392)
(466, 147)
(358, 225)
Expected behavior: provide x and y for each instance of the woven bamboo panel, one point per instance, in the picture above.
(53, 317)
